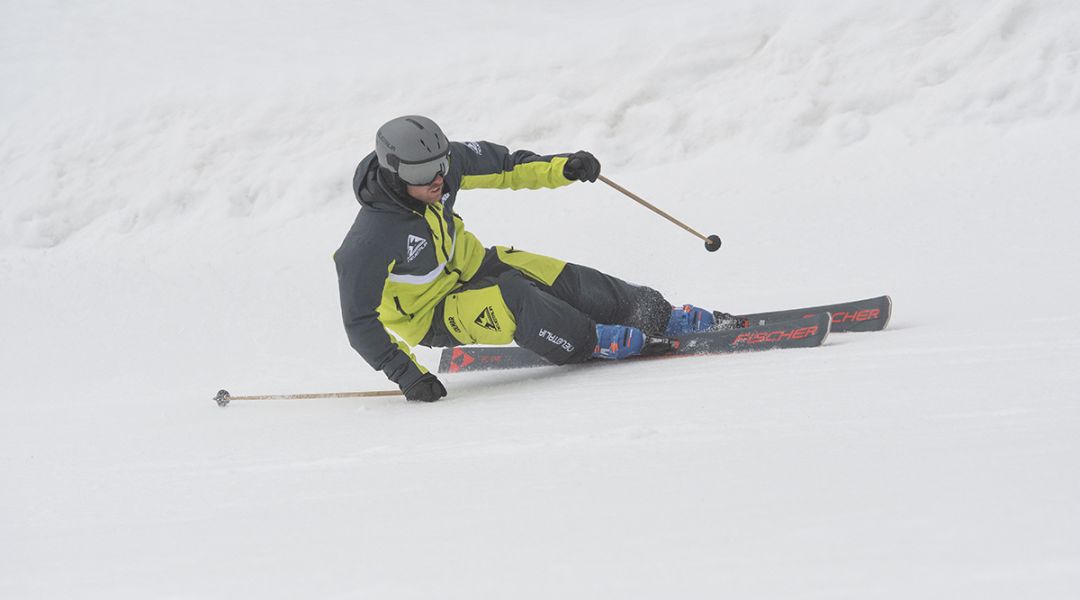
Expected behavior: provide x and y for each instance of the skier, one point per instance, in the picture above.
(408, 265)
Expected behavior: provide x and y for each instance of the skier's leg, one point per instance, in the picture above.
(608, 299)
(510, 307)
(530, 298)
(604, 298)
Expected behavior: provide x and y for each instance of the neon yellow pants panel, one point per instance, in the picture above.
(537, 266)
(479, 317)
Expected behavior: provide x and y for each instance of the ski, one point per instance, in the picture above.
(805, 331)
(871, 314)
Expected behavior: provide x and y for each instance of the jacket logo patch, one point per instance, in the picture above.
(475, 147)
(487, 319)
(415, 245)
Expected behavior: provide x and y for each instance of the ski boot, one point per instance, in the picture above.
(618, 341)
(723, 321)
(691, 319)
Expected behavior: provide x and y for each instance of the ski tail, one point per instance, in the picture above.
(469, 359)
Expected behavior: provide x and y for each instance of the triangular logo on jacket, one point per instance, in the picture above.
(415, 245)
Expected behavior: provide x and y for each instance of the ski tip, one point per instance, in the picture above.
(888, 311)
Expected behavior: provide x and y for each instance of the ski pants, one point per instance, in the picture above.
(546, 305)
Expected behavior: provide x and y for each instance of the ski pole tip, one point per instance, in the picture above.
(713, 243)
(222, 398)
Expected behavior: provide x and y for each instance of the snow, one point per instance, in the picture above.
(175, 177)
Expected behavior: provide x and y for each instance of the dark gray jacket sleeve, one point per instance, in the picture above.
(362, 268)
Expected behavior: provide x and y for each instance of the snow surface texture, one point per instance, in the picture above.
(175, 177)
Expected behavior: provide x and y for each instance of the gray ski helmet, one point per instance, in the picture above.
(413, 148)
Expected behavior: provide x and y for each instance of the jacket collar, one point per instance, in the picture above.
(396, 191)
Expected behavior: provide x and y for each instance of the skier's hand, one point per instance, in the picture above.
(426, 389)
(581, 166)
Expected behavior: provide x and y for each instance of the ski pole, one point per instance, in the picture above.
(712, 242)
(223, 397)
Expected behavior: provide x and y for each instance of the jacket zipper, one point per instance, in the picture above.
(446, 253)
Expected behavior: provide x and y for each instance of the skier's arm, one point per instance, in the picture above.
(362, 269)
(488, 165)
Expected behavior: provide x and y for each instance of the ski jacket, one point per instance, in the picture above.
(402, 257)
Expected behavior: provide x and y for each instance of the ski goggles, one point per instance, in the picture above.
(423, 173)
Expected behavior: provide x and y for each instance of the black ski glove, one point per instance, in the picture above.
(426, 389)
(581, 166)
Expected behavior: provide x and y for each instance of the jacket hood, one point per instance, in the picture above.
(373, 189)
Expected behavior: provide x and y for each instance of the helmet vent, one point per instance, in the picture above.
(415, 122)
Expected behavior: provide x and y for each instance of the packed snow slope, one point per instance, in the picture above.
(175, 177)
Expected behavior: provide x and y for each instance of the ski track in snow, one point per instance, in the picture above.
(176, 177)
